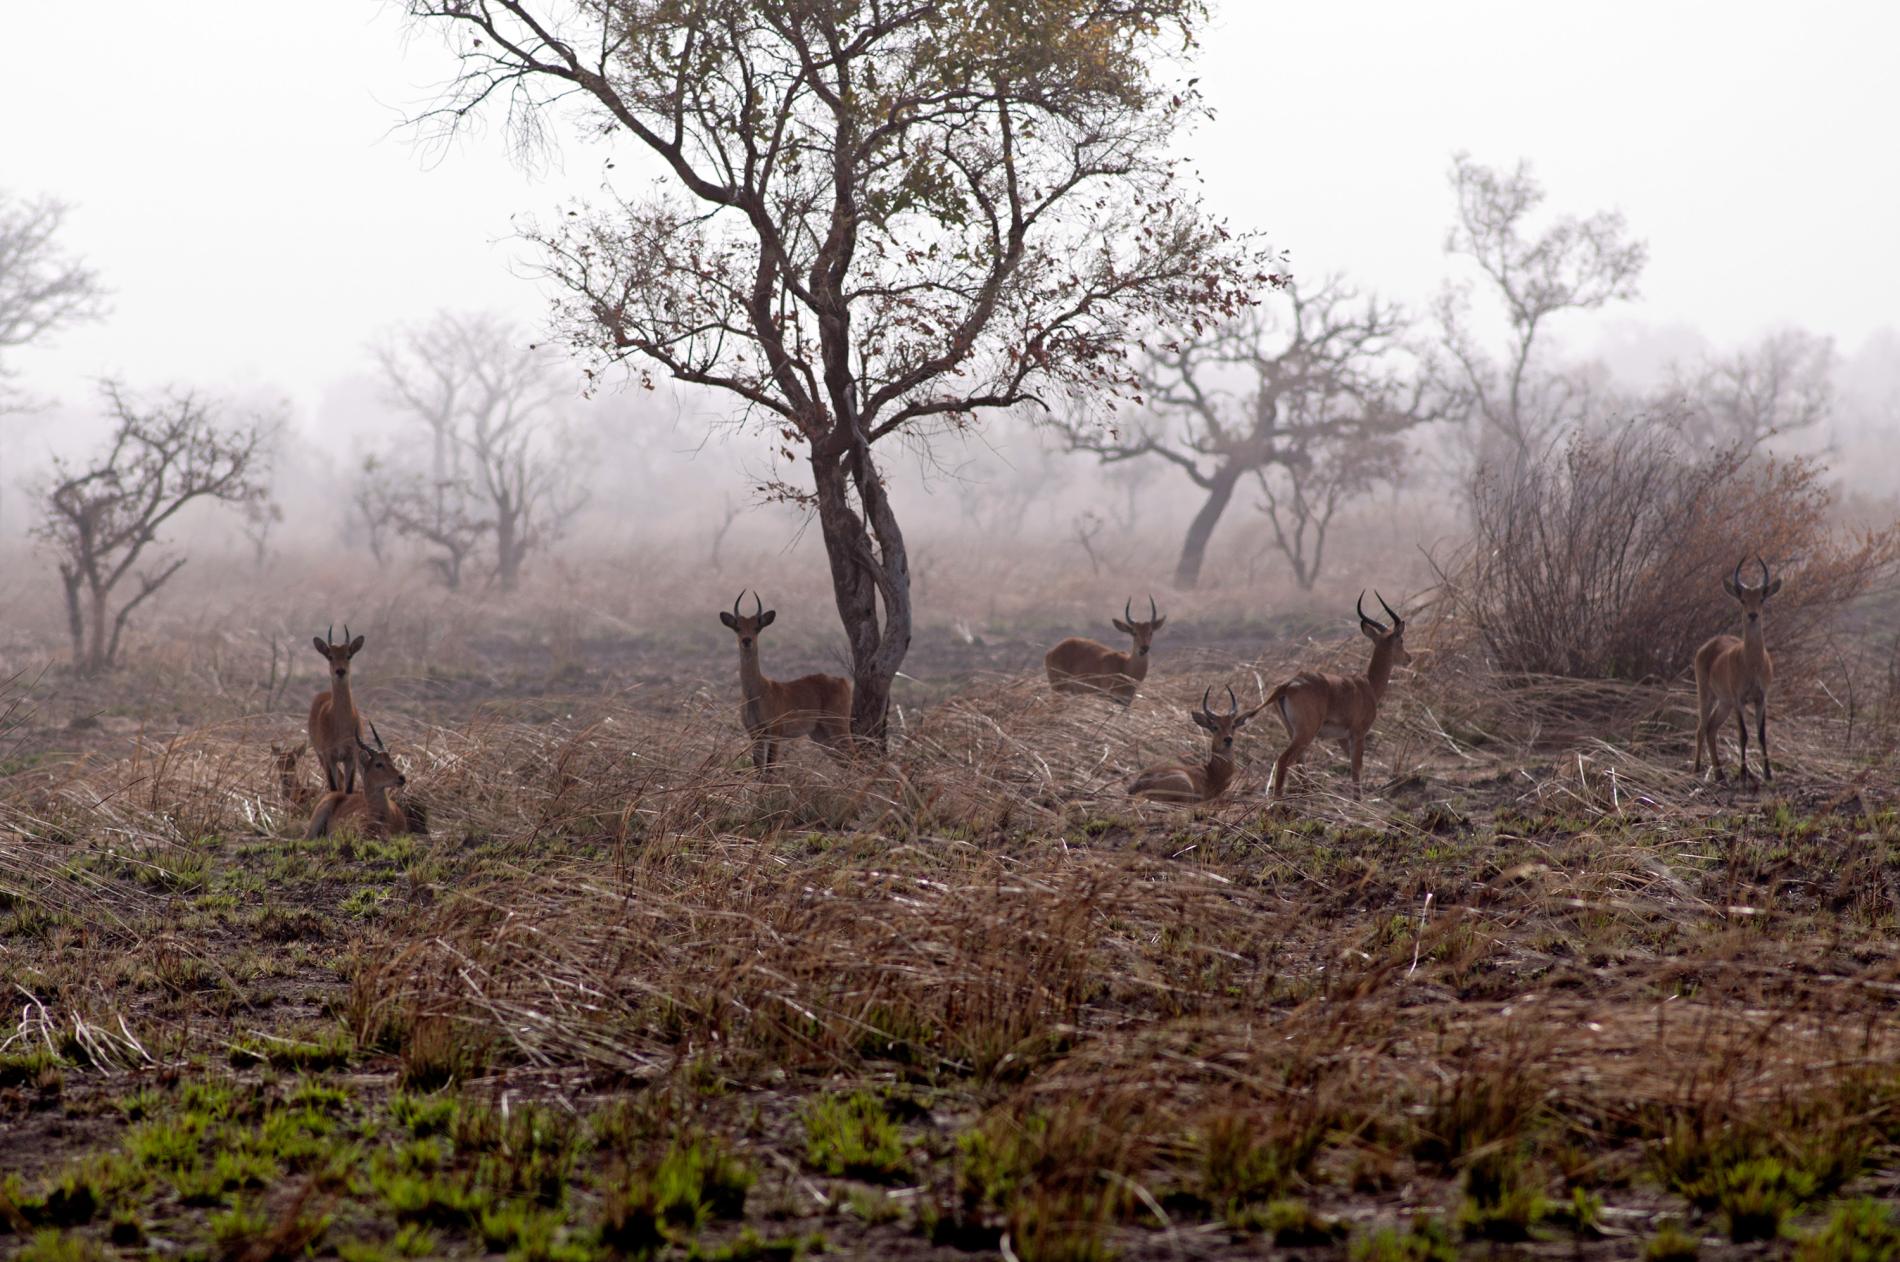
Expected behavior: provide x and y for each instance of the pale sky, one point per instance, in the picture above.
(243, 184)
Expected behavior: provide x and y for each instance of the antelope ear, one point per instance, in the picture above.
(321, 646)
(1372, 630)
(1201, 720)
(1771, 589)
(1158, 621)
(1728, 585)
(1122, 627)
(727, 619)
(356, 646)
(766, 620)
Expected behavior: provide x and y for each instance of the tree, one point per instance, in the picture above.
(502, 464)
(1782, 385)
(1299, 499)
(1521, 403)
(873, 219)
(42, 289)
(1292, 382)
(100, 519)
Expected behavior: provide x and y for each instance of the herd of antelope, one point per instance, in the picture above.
(1731, 675)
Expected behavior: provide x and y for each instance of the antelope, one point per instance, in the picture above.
(1731, 673)
(1180, 782)
(818, 706)
(1081, 665)
(1344, 707)
(374, 811)
(336, 729)
(289, 783)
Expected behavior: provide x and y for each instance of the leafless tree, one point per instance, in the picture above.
(440, 518)
(42, 289)
(1782, 385)
(1521, 401)
(875, 220)
(503, 464)
(1282, 384)
(101, 517)
(1301, 498)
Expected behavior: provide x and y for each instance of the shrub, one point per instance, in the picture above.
(1605, 558)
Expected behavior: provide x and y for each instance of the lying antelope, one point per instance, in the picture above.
(336, 729)
(289, 783)
(1730, 674)
(1180, 782)
(1342, 707)
(818, 706)
(1081, 665)
(374, 812)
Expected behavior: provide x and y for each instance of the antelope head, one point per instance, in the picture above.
(1143, 632)
(748, 626)
(338, 655)
(379, 767)
(1382, 635)
(1753, 598)
(1223, 726)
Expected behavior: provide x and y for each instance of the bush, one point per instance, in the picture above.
(1606, 558)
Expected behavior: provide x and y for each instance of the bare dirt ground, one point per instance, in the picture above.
(1539, 992)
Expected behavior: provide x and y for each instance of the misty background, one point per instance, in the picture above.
(244, 184)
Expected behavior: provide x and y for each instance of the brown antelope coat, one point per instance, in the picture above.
(1082, 665)
(774, 710)
(1315, 705)
(1732, 674)
(1185, 782)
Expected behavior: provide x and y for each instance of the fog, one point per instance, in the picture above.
(243, 182)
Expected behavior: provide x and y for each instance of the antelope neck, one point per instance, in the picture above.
(341, 703)
(1380, 671)
(751, 678)
(1220, 769)
(1137, 667)
(1754, 652)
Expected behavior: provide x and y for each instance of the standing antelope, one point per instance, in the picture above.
(818, 706)
(336, 729)
(1343, 707)
(1731, 673)
(1080, 665)
(374, 811)
(1180, 782)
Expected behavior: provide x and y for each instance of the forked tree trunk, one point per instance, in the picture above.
(869, 565)
(1220, 490)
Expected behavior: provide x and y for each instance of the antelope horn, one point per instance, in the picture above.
(1390, 612)
(1233, 702)
(1737, 580)
(329, 634)
(1361, 607)
(346, 633)
(377, 736)
(758, 606)
(735, 603)
(1128, 612)
(1764, 569)
(1205, 694)
(1152, 614)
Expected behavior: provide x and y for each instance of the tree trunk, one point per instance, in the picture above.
(96, 649)
(507, 552)
(1187, 572)
(75, 620)
(868, 563)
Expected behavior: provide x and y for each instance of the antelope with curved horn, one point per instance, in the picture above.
(1341, 707)
(374, 812)
(336, 729)
(818, 706)
(1730, 674)
(1183, 782)
(1082, 665)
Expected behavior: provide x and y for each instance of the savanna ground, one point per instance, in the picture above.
(1539, 992)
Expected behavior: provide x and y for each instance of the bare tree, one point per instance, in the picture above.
(100, 518)
(1782, 385)
(1522, 403)
(42, 289)
(503, 465)
(1279, 385)
(874, 220)
(1301, 497)
(441, 518)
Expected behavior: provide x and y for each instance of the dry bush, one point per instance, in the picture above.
(1605, 559)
